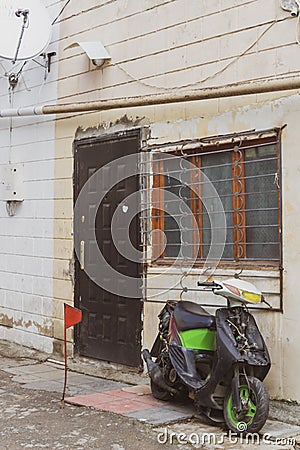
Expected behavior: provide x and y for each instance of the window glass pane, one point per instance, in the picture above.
(172, 233)
(177, 218)
(171, 228)
(261, 203)
(218, 168)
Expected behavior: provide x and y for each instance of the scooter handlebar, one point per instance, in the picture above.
(207, 283)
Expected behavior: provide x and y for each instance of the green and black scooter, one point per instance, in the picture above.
(220, 361)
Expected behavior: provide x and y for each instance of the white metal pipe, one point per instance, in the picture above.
(18, 112)
(230, 90)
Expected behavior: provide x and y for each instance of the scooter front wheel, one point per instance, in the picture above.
(255, 402)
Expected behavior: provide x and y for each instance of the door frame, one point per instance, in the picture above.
(132, 132)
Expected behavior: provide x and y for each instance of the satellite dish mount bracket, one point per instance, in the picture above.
(25, 14)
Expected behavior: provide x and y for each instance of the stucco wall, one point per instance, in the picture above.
(280, 330)
(156, 45)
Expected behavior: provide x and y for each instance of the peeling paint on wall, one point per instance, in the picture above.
(45, 329)
(110, 127)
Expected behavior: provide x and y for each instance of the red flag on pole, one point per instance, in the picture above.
(72, 316)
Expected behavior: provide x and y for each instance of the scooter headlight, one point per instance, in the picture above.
(251, 297)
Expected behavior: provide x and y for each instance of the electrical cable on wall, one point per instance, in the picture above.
(223, 69)
(10, 205)
(60, 13)
(297, 30)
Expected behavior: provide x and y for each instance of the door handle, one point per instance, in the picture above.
(82, 255)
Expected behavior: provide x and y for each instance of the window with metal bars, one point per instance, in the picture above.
(245, 174)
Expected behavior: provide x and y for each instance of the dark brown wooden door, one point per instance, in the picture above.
(111, 325)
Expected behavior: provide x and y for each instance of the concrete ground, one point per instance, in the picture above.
(112, 412)
(34, 419)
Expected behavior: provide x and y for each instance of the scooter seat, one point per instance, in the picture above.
(190, 316)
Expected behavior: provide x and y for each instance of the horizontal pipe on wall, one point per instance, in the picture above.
(230, 90)
(15, 112)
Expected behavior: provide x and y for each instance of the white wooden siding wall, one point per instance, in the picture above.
(26, 250)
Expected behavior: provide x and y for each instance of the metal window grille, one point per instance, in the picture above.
(186, 189)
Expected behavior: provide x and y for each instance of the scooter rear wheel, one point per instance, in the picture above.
(255, 413)
(159, 393)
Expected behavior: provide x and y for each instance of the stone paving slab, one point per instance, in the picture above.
(73, 376)
(50, 377)
(40, 369)
(9, 362)
(30, 369)
(45, 376)
(111, 400)
(280, 430)
(79, 378)
(95, 386)
(24, 379)
(47, 385)
(56, 386)
(162, 415)
(159, 416)
(136, 403)
(13, 370)
(52, 381)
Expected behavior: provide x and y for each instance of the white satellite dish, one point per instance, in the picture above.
(25, 29)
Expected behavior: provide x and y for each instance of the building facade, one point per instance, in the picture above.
(245, 144)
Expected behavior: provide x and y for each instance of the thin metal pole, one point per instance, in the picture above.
(66, 360)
